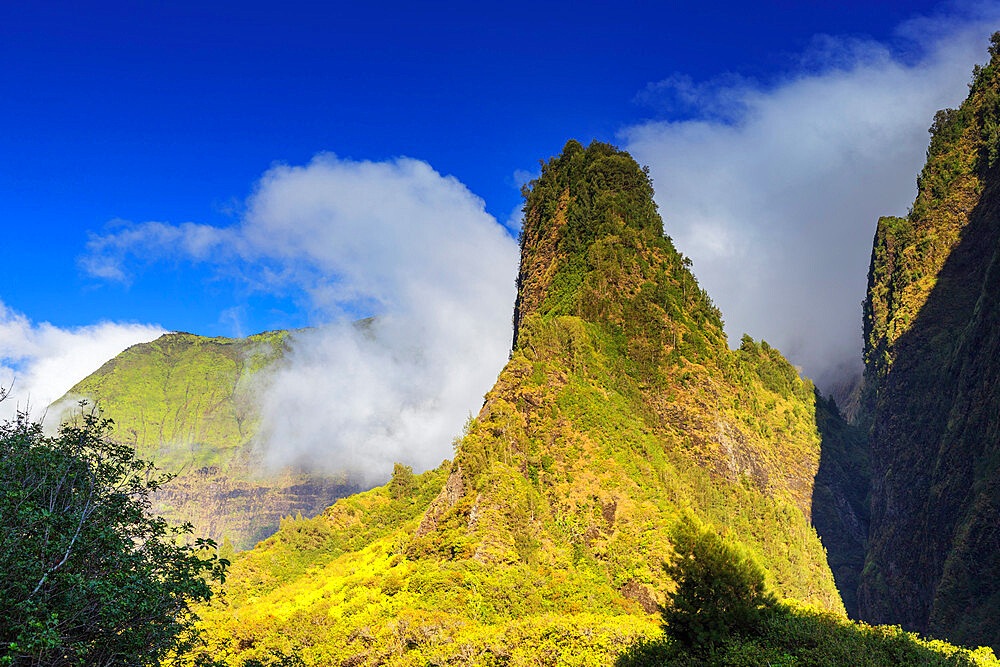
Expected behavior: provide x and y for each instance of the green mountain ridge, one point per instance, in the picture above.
(621, 409)
(932, 353)
(190, 404)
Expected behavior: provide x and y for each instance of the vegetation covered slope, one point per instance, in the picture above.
(621, 409)
(189, 404)
(721, 613)
(932, 353)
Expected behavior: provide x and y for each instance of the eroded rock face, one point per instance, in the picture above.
(634, 590)
(245, 512)
(450, 493)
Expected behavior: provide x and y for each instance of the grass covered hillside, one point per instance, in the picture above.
(188, 403)
(932, 352)
(622, 410)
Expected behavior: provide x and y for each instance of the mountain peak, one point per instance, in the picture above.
(620, 410)
(593, 246)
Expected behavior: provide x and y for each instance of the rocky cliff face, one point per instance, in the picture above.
(189, 404)
(840, 498)
(621, 409)
(221, 505)
(932, 353)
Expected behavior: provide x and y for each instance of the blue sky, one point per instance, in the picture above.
(119, 115)
(172, 111)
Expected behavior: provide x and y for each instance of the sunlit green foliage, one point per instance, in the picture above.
(796, 635)
(87, 577)
(719, 589)
(720, 613)
(622, 410)
(184, 400)
(593, 246)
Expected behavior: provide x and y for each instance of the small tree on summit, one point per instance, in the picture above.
(402, 483)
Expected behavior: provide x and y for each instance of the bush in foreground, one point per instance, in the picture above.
(721, 614)
(87, 576)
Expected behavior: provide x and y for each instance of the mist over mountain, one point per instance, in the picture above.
(716, 384)
(192, 405)
(392, 239)
(356, 399)
(770, 186)
(623, 412)
(39, 362)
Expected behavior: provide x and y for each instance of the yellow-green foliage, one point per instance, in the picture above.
(183, 400)
(800, 635)
(570, 491)
(621, 409)
(300, 591)
(721, 613)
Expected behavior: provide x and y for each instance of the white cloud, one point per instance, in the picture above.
(107, 254)
(395, 239)
(40, 362)
(774, 191)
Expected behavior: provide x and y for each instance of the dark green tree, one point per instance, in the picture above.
(720, 589)
(87, 575)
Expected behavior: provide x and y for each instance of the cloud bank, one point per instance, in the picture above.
(40, 362)
(774, 191)
(392, 239)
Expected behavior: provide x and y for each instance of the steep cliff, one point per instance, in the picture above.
(932, 354)
(189, 404)
(840, 498)
(621, 408)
